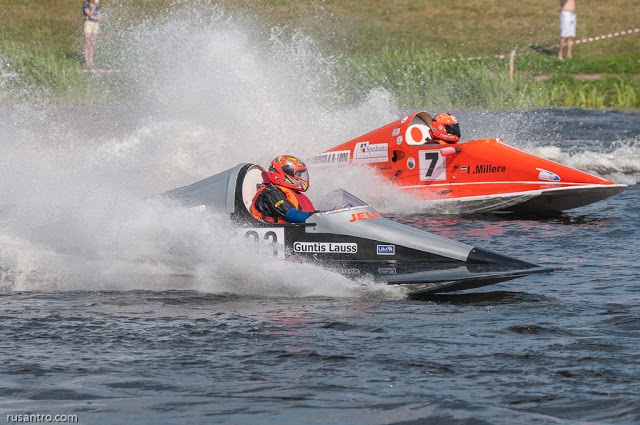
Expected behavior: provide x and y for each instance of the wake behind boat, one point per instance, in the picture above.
(352, 238)
(476, 176)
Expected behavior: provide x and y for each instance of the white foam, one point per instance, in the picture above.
(622, 165)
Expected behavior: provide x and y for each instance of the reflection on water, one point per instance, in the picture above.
(485, 298)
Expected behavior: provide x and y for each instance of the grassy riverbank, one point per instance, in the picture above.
(406, 47)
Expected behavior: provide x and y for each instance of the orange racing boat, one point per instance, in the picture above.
(468, 177)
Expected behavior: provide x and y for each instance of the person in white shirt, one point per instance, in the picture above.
(567, 26)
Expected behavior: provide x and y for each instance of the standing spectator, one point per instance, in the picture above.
(92, 17)
(567, 26)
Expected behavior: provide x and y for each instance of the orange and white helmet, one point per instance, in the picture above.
(445, 127)
(289, 171)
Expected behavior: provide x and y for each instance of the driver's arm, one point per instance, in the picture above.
(295, 216)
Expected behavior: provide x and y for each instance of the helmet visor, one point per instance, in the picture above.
(453, 129)
(300, 173)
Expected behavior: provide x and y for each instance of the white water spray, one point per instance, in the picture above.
(205, 95)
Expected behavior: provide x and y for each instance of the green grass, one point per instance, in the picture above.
(466, 28)
(405, 47)
(48, 77)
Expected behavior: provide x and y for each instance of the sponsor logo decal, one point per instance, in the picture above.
(547, 175)
(325, 247)
(366, 215)
(399, 140)
(395, 132)
(403, 120)
(371, 152)
(386, 270)
(417, 134)
(386, 249)
(411, 163)
(338, 157)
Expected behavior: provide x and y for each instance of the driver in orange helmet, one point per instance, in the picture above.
(281, 199)
(445, 128)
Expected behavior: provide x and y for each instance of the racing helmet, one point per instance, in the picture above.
(445, 127)
(289, 171)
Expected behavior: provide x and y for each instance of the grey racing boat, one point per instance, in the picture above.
(351, 237)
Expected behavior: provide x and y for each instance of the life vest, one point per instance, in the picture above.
(299, 200)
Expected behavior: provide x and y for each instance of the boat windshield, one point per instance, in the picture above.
(338, 198)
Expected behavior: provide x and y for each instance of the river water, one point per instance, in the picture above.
(117, 310)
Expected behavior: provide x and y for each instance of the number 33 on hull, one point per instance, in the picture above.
(476, 176)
